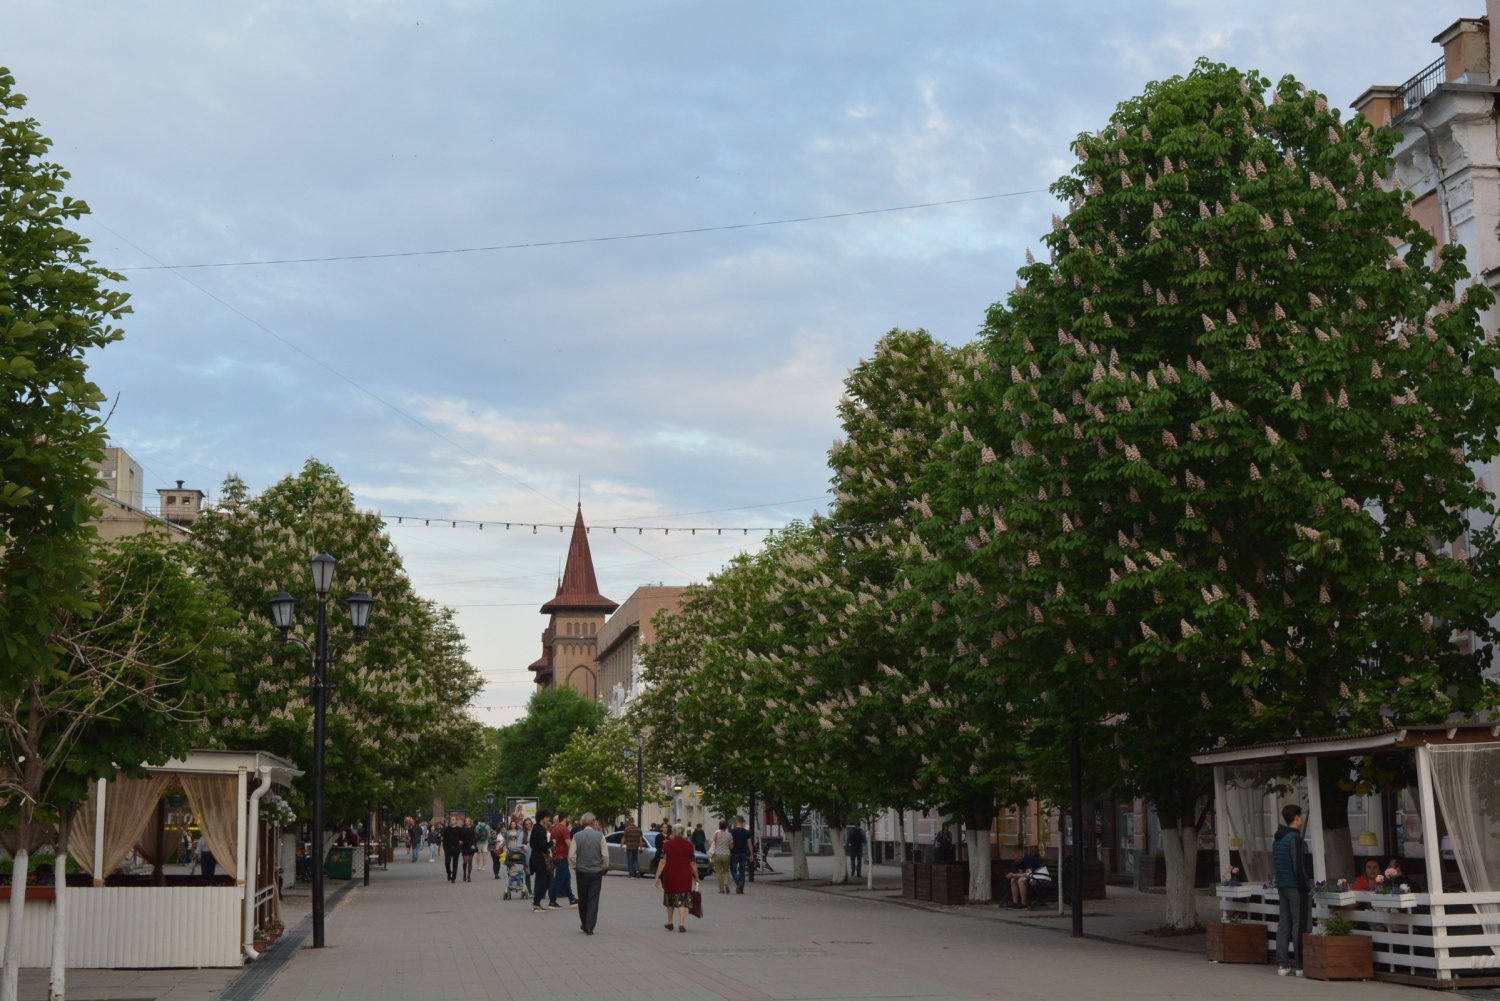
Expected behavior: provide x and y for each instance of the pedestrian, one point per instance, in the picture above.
(1292, 885)
(677, 875)
(718, 851)
(562, 883)
(540, 859)
(700, 839)
(434, 838)
(468, 846)
(739, 854)
(663, 832)
(452, 845)
(854, 843)
(414, 838)
(632, 841)
(482, 845)
(528, 825)
(589, 860)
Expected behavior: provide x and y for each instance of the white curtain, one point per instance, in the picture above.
(214, 798)
(1246, 789)
(129, 805)
(1466, 778)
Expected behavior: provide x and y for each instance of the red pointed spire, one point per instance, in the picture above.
(579, 589)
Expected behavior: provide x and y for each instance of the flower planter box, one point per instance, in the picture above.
(1336, 898)
(1338, 957)
(1392, 901)
(1235, 891)
(32, 893)
(1246, 942)
(923, 880)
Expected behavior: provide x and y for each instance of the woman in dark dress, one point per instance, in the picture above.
(677, 875)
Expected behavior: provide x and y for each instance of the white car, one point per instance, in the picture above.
(614, 844)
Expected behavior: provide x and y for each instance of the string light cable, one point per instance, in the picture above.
(615, 238)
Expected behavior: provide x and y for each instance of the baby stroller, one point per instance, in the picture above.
(515, 875)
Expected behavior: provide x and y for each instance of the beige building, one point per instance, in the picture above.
(577, 612)
(1449, 155)
(621, 639)
(121, 477)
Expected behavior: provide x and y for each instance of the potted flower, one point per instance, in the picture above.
(1231, 885)
(1335, 894)
(1335, 953)
(1392, 894)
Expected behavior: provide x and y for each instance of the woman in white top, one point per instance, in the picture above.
(718, 850)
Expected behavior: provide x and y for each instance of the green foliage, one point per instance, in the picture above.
(397, 719)
(1216, 435)
(53, 308)
(591, 774)
(553, 717)
(1337, 923)
(133, 682)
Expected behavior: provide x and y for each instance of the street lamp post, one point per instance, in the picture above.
(640, 780)
(359, 604)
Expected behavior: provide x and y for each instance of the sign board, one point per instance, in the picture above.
(526, 806)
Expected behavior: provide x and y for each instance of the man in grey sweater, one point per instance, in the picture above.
(589, 861)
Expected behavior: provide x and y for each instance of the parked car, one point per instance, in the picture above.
(613, 843)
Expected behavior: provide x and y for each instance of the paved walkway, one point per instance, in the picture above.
(411, 933)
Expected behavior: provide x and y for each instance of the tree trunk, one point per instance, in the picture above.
(57, 982)
(10, 979)
(901, 836)
(978, 841)
(840, 855)
(1336, 844)
(1180, 846)
(799, 852)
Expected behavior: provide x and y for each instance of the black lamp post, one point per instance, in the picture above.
(282, 605)
(640, 780)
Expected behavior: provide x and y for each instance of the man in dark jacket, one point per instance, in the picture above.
(452, 847)
(1293, 885)
(541, 853)
(632, 841)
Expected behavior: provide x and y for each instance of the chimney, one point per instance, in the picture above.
(1466, 49)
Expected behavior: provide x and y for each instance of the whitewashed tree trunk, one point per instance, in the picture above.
(57, 983)
(10, 980)
(978, 843)
(840, 855)
(799, 855)
(1180, 848)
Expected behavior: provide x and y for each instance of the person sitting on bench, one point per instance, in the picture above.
(1029, 875)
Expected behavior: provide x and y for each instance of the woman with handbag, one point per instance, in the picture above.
(677, 875)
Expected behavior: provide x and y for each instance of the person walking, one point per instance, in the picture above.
(700, 839)
(468, 846)
(677, 875)
(414, 836)
(854, 843)
(452, 846)
(632, 841)
(739, 854)
(528, 824)
(589, 861)
(540, 859)
(434, 838)
(1292, 885)
(718, 851)
(482, 836)
(562, 883)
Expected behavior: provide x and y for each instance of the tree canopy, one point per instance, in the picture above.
(397, 715)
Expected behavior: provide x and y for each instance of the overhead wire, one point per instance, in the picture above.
(615, 238)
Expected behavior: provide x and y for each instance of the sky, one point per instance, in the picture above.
(543, 254)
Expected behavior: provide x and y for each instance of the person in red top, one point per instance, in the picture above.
(1366, 881)
(562, 882)
(677, 875)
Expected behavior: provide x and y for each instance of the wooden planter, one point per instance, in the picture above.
(950, 882)
(1338, 957)
(923, 880)
(1237, 943)
(909, 880)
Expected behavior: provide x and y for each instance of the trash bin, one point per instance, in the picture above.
(340, 862)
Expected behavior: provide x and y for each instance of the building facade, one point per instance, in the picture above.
(620, 641)
(576, 614)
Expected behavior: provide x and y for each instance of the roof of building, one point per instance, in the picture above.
(579, 589)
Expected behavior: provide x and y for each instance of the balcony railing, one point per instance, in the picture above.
(1415, 90)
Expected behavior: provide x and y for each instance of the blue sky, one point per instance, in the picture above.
(683, 380)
